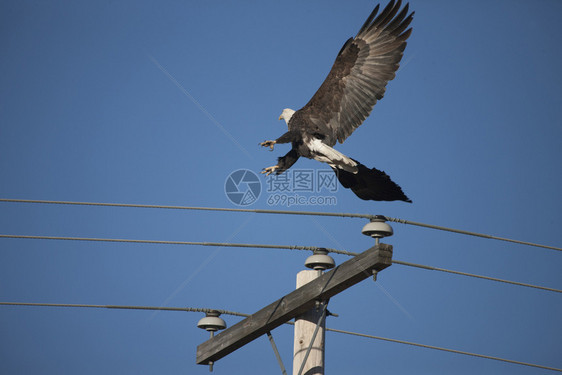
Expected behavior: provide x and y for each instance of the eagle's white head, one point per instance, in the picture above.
(286, 115)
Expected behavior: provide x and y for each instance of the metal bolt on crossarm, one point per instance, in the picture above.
(377, 228)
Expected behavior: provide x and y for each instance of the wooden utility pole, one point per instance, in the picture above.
(295, 303)
(304, 328)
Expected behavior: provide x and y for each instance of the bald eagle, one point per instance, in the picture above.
(345, 99)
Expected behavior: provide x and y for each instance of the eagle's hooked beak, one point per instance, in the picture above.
(281, 117)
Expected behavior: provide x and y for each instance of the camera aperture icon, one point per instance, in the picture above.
(242, 187)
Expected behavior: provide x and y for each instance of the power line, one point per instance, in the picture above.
(265, 246)
(130, 205)
(475, 276)
(226, 312)
(460, 273)
(309, 213)
(465, 232)
(158, 242)
(445, 349)
(402, 221)
(122, 307)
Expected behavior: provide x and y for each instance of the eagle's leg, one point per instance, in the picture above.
(283, 163)
(270, 170)
(269, 144)
(285, 138)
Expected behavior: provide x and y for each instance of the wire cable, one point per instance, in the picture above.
(265, 246)
(408, 264)
(157, 242)
(460, 273)
(310, 213)
(123, 307)
(444, 349)
(226, 312)
(276, 352)
(465, 232)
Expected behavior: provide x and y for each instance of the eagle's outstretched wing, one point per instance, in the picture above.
(359, 75)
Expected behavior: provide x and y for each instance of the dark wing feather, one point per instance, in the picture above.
(358, 77)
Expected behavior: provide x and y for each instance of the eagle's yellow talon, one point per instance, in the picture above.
(269, 144)
(269, 170)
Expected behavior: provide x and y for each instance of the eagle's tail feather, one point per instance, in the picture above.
(371, 184)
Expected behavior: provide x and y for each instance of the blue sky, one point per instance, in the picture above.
(159, 102)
